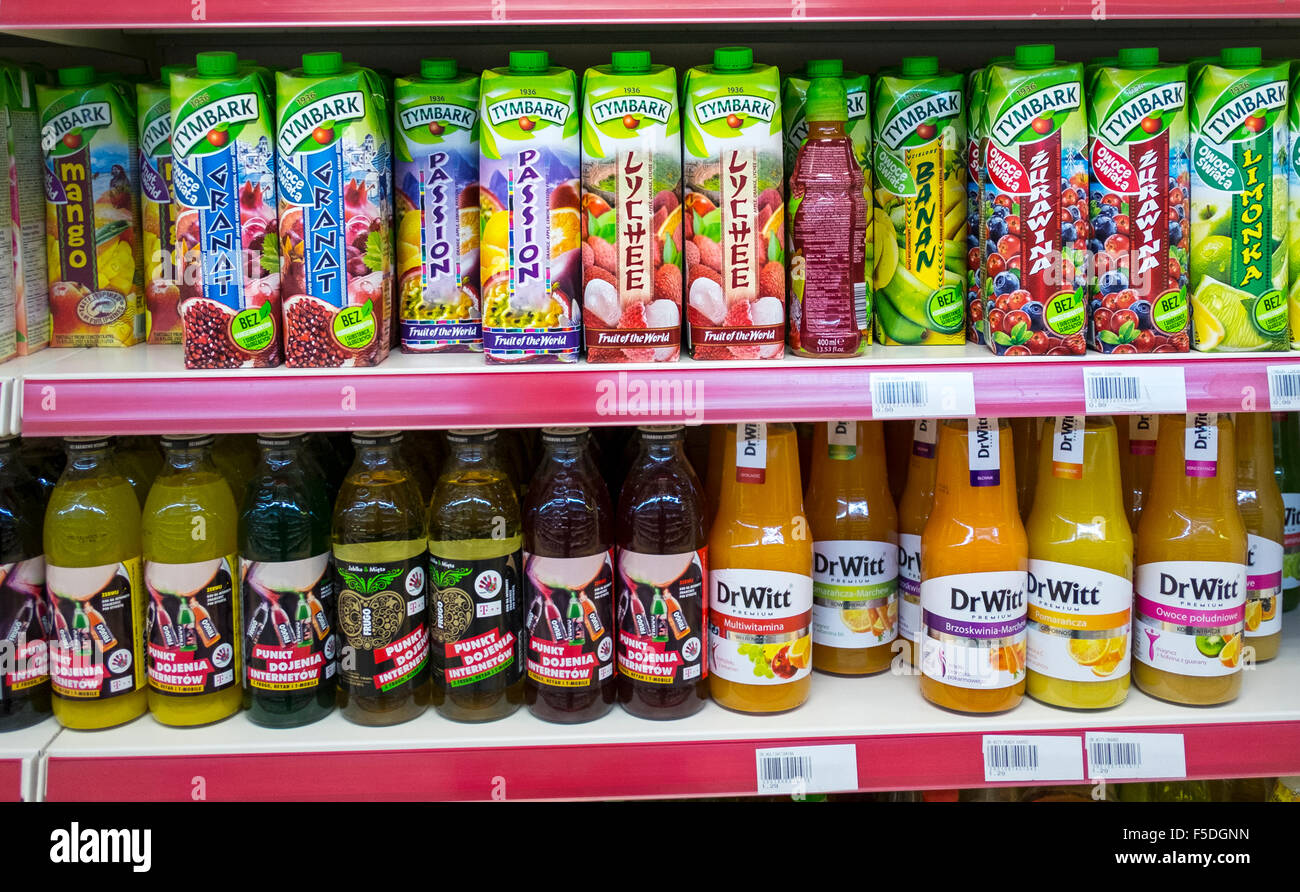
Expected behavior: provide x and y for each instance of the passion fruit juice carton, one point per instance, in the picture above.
(631, 211)
(1240, 154)
(734, 217)
(1036, 159)
(1293, 221)
(920, 204)
(530, 248)
(92, 227)
(22, 139)
(436, 178)
(157, 213)
(1136, 217)
(334, 176)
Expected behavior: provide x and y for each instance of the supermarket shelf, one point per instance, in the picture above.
(146, 390)
(899, 741)
(20, 760)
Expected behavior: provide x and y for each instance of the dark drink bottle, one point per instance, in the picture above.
(25, 677)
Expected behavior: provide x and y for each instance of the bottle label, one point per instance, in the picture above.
(1263, 614)
(909, 585)
(925, 433)
(984, 451)
(751, 452)
(1201, 446)
(476, 619)
(191, 626)
(662, 616)
(760, 626)
(383, 612)
(289, 616)
(96, 651)
(1067, 447)
(1142, 433)
(25, 622)
(1078, 622)
(1291, 540)
(1189, 616)
(973, 629)
(855, 593)
(841, 440)
(570, 619)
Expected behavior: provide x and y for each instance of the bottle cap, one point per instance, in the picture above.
(1139, 57)
(826, 100)
(165, 73)
(187, 441)
(465, 434)
(319, 64)
(279, 438)
(562, 434)
(825, 68)
(1035, 55)
(86, 444)
(1231, 57)
(438, 69)
(733, 58)
(219, 64)
(630, 61)
(374, 438)
(660, 431)
(525, 61)
(920, 66)
(77, 76)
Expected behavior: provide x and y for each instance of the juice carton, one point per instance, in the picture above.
(1035, 262)
(530, 248)
(921, 204)
(975, 92)
(8, 328)
(436, 178)
(1240, 149)
(1293, 232)
(735, 208)
(162, 293)
(223, 182)
(92, 228)
(1136, 219)
(22, 139)
(631, 211)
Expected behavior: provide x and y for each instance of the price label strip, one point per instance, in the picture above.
(922, 394)
(1032, 758)
(807, 769)
(1123, 756)
(1157, 389)
(1284, 388)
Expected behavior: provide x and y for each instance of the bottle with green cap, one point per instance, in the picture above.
(920, 204)
(21, 136)
(1293, 215)
(734, 220)
(1137, 209)
(1237, 107)
(436, 176)
(631, 197)
(530, 258)
(335, 184)
(91, 152)
(1036, 164)
(157, 213)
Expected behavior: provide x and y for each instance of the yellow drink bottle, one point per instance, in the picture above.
(1080, 569)
(1137, 460)
(1260, 504)
(913, 514)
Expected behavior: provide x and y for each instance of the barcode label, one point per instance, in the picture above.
(1157, 389)
(1284, 388)
(807, 769)
(1032, 758)
(1118, 756)
(860, 305)
(927, 394)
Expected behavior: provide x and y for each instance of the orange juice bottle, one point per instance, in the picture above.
(974, 563)
(760, 578)
(1137, 459)
(913, 513)
(1025, 434)
(1080, 568)
(855, 549)
(1189, 590)
(713, 473)
(898, 451)
(1260, 504)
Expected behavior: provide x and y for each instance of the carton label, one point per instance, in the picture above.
(67, 125)
(197, 126)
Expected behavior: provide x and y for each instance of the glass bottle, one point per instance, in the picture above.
(1261, 509)
(1289, 446)
(913, 514)
(1137, 459)
(24, 615)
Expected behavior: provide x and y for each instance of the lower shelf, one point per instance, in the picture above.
(20, 760)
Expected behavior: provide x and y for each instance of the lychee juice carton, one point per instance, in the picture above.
(22, 138)
(631, 211)
(157, 214)
(1036, 164)
(529, 193)
(92, 224)
(734, 218)
(334, 163)
(1136, 217)
(1239, 180)
(436, 178)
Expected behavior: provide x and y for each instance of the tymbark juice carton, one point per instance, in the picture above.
(1293, 217)
(157, 214)
(26, 208)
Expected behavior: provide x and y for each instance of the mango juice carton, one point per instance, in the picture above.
(22, 138)
(1293, 222)
(92, 228)
(920, 204)
(436, 178)
(734, 208)
(162, 294)
(632, 249)
(1240, 150)
(1136, 217)
(1036, 163)
(530, 253)
(335, 182)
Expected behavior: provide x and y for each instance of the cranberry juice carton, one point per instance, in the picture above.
(436, 178)
(530, 249)
(22, 138)
(1293, 216)
(92, 228)
(632, 247)
(1036, 170)
(334, 176)
(162, 294)
(975, 92)
(921, 204)
(734, 208)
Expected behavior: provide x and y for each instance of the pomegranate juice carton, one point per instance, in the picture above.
(22, 139)
(734, 219)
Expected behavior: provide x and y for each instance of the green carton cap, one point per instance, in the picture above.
(1231, 57)
(525, 61)
(77, 76)
(318, 64)
(438, 69)
(1035, 55)
(218, 64)
(825, 68)
(920, 66)
(826, 100)
(733, 58)
(165, 73)
(1139, 57)
(630, 61)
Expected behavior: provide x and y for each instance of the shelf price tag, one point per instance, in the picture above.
(807, 769)
(1132, 389)
(1284, 388)
(922, 394)
(1124, 756)
(1032, 758)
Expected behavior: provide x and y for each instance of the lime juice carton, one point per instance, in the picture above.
(22, 139)
(162, 293)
